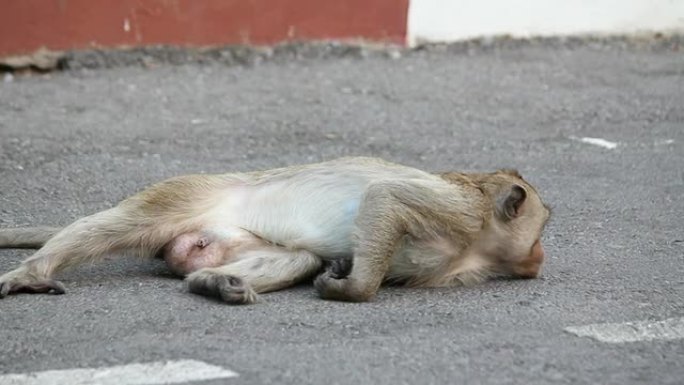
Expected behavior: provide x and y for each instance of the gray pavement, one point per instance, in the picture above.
(77, 142)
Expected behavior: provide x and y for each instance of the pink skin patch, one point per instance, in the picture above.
(196, 250)
(193, 251)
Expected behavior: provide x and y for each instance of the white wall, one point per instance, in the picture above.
(451, 20)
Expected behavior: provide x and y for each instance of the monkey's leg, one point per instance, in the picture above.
(142, 223)
(86, 239)
(256, 271)
(26, 237)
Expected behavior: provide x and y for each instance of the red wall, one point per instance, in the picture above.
(26, 25)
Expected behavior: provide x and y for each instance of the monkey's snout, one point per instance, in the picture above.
(530, 267)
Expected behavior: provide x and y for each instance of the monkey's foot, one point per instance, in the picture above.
(20, 281)
(344, 289)
(229, 288)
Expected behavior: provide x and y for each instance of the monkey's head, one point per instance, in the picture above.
(512, 236)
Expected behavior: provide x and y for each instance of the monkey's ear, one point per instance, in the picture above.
(511, 172)
(508, 205)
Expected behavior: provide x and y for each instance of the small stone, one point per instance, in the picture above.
(394, 54)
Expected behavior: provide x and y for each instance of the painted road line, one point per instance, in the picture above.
(165, 372)
(596, 142)
(668, 329)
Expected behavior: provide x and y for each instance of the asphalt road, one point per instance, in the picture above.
(77, 142)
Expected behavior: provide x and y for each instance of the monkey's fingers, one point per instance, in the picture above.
(43, 286)
(340, 268)
(344, 289)
(330, 287)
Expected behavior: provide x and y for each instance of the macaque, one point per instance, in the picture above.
(370, 221)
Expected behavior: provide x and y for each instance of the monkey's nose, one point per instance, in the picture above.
(530, 267)
(537, 253)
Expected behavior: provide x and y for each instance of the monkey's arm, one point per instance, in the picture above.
(389, 211)
(26, 237)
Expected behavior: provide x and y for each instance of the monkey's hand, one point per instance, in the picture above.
(22, 280)
(228, 288)
(340, 268)
(329, 286)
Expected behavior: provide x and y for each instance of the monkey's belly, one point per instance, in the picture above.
(319, 219)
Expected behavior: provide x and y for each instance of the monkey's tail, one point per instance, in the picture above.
(26, 237)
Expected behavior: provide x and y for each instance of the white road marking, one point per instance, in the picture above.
(165, 372)
(596, 142)
(614, 333)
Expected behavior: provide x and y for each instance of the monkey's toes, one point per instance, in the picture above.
(41, 286)
(229, 288)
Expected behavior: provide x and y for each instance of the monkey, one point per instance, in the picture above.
(237, 235)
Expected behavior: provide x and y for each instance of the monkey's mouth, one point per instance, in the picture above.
(526, 270)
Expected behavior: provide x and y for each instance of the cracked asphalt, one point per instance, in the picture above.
(75, 142)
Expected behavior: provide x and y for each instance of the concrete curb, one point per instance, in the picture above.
(32, 30)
